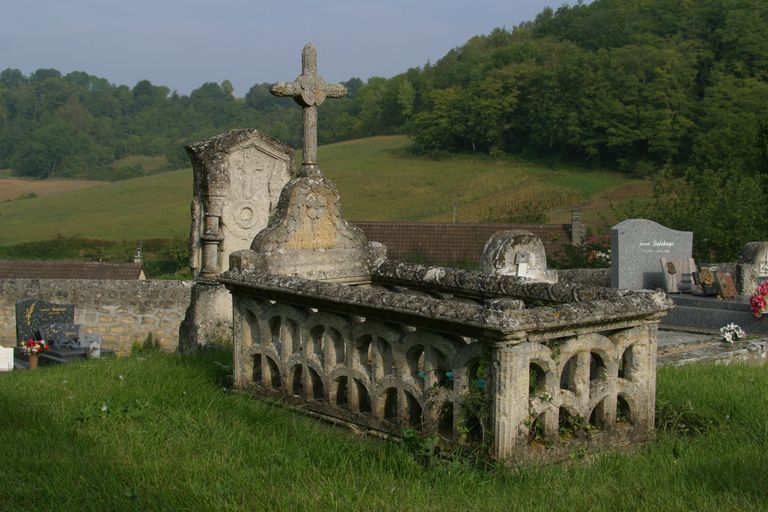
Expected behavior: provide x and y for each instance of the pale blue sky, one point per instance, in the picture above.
(182, 44)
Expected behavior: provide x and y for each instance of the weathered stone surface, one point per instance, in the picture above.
(517, 253)
(323, 320)
(208, 319)
(309, 90)
(309, 237)
(636, 248)
(238, 177)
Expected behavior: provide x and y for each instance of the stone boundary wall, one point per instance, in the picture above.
(120, 311)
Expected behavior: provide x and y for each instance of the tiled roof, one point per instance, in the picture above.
(46, 269)
(443, 243)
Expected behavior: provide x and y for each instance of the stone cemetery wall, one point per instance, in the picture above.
(119, 311)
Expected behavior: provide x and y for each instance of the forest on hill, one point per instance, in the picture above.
(631, 84)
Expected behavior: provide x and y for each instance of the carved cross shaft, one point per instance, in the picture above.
(309, 90)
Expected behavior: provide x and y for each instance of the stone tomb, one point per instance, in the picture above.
(517, 253)
(238, 177)
(385, 345)
(637, 246)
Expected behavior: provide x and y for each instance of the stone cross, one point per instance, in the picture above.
(309, 90)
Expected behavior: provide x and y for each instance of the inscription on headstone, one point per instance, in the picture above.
(637, 245)
(32, 315)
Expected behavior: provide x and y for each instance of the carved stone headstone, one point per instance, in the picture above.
(637, 245)
(308, 236)
(33, 315)
(517, 253)
(238, 177)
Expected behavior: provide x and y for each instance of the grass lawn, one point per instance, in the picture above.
(161, 432)
(378, 178)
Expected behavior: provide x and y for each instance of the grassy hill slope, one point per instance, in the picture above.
(377, 177)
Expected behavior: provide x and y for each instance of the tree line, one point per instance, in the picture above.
(632, 84)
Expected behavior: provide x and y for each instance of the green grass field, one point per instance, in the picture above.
(162, 432)
(378, 180)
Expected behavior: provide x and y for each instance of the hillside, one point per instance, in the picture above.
(378, 178)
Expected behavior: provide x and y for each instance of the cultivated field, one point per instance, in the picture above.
(21, 188)
(378, 178)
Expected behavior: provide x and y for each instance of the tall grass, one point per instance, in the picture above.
(162, 432)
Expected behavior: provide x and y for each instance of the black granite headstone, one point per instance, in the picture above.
(32, 315)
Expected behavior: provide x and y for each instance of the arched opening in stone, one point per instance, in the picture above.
(536, 379)
(626, 363)
(363, 399)
(363, 348)
(342, 393)
(257, 375)
(298, 385)
(251, 328)
(477, 378)
(291, 331)
(623, 412)
(274, 374)
(390, 405)
(570, 424)
(536, 434)
(318, 391)
(414, 410)
(274, 330)
(443, 371)
(381, 358)
(315, 341)
(597, 370)
(598, 415)
(339, 347)
(568, 377)
(445, 420)
(415, 360)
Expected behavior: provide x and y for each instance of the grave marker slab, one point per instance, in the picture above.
(637, 245)
(6, 359)
(34, 314)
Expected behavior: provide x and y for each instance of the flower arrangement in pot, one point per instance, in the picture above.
(759, 301)
(33, 348)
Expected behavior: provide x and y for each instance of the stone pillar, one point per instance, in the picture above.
(509, 399)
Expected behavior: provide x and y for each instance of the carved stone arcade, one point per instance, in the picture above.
(325, 321)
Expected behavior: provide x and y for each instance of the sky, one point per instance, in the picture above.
(183, 44)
